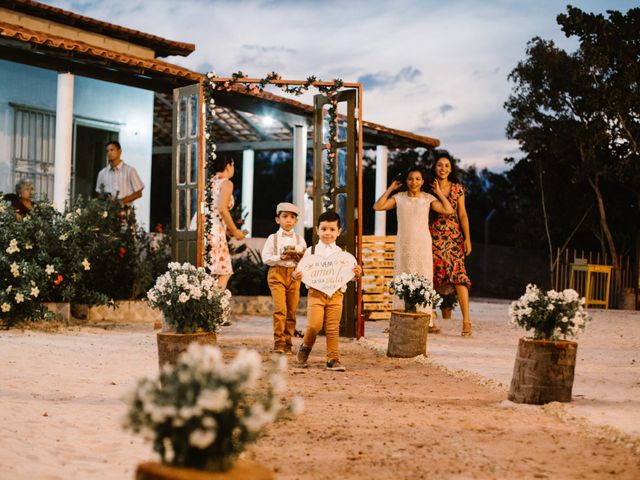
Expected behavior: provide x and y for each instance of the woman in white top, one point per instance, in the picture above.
(413, 246)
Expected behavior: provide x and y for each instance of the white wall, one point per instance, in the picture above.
(126, 109)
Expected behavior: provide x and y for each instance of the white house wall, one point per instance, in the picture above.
(128, 110)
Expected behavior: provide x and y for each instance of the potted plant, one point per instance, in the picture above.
(449, 302)
(201, 413)
(192, 306)
(408, 329)
(545, 364)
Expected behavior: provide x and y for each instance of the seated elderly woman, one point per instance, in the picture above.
(21, 200)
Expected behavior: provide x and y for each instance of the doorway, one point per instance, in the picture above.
(89, 158)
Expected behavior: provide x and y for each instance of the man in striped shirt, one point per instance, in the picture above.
(119, 180)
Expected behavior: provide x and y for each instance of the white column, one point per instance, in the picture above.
(299, 173)
(382, 153)
(247, 188)
(64, 139)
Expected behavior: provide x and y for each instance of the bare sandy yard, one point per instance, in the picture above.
(60, 407)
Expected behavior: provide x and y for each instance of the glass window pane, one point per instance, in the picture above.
(182, 209)
(193, 208)
(341, 167)
(193, 163)
(342, 212)
(193, 115)
(182, 118)
(182, 163)
(342, 131)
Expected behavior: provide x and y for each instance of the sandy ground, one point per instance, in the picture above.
(60, 407)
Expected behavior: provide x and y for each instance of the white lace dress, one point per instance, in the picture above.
(413, 242)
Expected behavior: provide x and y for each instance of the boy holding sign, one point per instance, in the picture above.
(325, 269)
(281, 252)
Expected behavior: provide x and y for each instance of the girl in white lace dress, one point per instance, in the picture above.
(413, 245)
(220, 220)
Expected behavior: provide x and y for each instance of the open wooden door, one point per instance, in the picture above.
(338, 189)
(187, 176)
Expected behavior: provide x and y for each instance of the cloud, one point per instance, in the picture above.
(444, 108)
(382, 80)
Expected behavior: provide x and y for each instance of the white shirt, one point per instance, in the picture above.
(271, 254)
(308, 211)
(122, 180)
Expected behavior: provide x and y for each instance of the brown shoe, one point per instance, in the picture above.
(303, 355)
(434, 329)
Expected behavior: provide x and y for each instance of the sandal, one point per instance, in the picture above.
(434, 329)
(466, 329)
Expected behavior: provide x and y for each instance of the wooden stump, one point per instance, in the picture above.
(408, 334)
(446, 313)
(171, 345)
(242, 470)
(543, 371)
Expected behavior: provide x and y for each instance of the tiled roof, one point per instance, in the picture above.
(161, 46)
(33, 37)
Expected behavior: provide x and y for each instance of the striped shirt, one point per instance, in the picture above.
(120, 181)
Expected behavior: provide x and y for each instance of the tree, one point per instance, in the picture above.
(568, 111)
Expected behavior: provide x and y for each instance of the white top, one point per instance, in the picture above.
(281, 239)
(308, 211)
(122, 180)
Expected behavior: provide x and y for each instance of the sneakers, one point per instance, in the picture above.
(303, 356)
(288, 350)
(335, 365)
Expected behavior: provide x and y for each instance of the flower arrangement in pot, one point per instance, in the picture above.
(416, 290)
(449, 302)
(545, 364)
(192, 306)
(408, 329)
(201, 413)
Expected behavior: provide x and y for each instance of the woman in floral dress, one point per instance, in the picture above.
(451, 240)
(220, 220)
(412, 208)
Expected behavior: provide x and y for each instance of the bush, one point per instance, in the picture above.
(249, 275)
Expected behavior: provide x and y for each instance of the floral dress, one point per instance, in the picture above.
(219, 258)
(411, 242)
(448, 247)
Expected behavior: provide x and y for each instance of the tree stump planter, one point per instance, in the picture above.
(408, 334)
(242, 470)
(171, 345)
(543, 371)
(446, 313)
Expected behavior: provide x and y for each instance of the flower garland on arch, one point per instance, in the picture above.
(238, 78)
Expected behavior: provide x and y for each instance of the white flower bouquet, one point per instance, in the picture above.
(189, 299)
(552, 315)
(416, 290)
(202, 413)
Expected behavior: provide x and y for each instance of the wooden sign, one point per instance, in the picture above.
(327, 274)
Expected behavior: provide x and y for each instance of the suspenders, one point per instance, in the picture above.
(275, 241)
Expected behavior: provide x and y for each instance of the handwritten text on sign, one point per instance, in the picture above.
(327, 274)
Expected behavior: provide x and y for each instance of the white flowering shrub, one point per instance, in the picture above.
(189, 299)
(201, 413)
(551, 316)
(416, 290)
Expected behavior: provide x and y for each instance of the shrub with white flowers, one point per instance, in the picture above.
(416, 290)
(551, 316)
(189, 299)
(201, 413)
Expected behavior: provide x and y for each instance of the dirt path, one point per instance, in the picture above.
(61, 411)
(400, 419)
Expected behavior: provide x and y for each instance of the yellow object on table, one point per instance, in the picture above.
(596, 291)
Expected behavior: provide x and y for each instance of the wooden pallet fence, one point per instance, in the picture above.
(377, 272)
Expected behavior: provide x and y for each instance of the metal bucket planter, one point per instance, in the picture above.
(543, 371)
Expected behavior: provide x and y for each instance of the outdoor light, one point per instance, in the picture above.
(267, 120)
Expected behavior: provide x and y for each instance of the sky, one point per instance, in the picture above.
(437, 68)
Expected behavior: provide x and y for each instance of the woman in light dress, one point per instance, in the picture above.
(413, 247)
(220, 220)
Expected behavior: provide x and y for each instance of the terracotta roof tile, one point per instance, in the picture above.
(162, 46)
